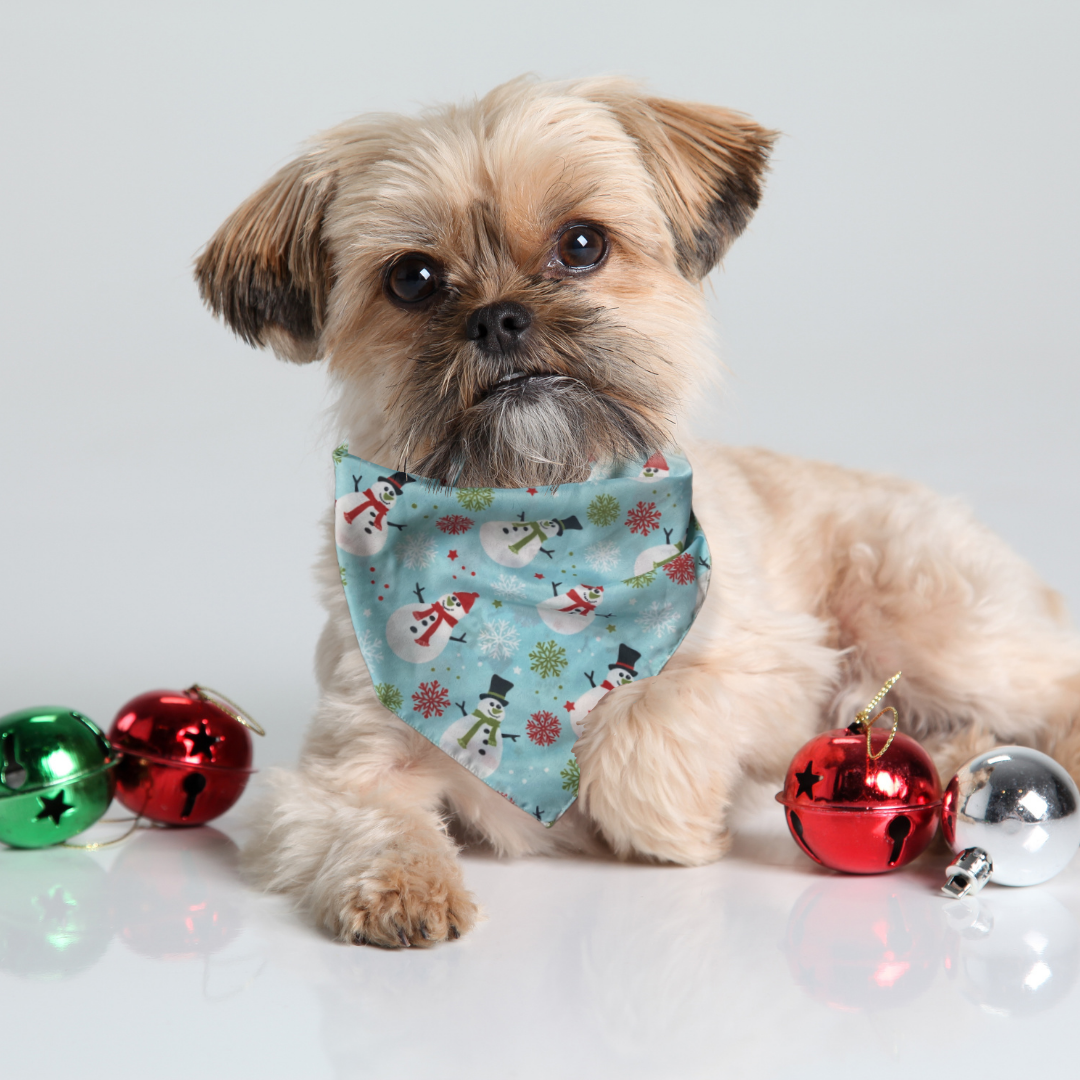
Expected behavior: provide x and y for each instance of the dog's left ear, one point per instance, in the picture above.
(267, 271)
(708, 165)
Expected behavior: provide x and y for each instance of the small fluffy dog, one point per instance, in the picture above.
(506, 291)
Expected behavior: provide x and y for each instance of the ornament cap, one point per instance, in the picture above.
(967, 873)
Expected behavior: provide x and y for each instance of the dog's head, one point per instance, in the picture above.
(506, 290)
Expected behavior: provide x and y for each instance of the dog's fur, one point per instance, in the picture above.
(824, 582)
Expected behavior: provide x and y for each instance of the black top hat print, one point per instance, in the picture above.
(398, 479)
(627, 659)
(567, 523)
(499, 689)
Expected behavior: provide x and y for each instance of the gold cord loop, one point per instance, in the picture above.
(216, 697)
(866, 722)
(107, 843)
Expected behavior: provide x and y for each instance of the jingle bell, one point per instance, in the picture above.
(186, 755)
(1013, 816)
(56, 776)
(860, 799)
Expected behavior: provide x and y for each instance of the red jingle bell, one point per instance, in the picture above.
(186, 754)
(862, 800)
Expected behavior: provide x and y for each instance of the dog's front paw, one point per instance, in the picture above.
(407, 898)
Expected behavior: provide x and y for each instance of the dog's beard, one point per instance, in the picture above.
(546, 432)
(579, 389)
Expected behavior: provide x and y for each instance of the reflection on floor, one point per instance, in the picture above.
(763, 965)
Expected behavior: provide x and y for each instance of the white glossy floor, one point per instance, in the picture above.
(154, 953)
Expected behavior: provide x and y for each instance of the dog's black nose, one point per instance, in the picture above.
(498, 327)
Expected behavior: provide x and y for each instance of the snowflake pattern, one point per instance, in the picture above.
(431, 699)
(681, 570)
(390, 696)
(475, 498)
(604, 510)
(548, 659)
(498, 639)
(344, 579)
(571, 777)
(370, 644)
(417, 552)
(643, 518)
(659, 616)
(543, 728)
(603, 556)
(640, 581)
(508, 587)
(340, 452)
(454, 524)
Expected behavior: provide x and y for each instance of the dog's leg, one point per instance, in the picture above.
(356, 837)
(661, 758)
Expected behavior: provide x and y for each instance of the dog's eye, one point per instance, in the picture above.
(581, 246)
(412, 278)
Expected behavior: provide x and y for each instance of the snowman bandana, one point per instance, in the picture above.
(493, 620)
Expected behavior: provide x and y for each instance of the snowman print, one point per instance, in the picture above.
(571, 611)
(476, 740)
(656, 556)
(517, 543)
(656, 468)
(361, 525)
(418, 634)
(622, 671)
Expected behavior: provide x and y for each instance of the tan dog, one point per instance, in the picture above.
(504, 291)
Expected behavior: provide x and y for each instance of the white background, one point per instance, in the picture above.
(904, 300)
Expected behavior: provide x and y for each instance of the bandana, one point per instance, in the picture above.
(494, 620)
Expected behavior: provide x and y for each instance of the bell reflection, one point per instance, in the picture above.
(54, 913)
(169, 893)
(861, 944)
(1012, 954)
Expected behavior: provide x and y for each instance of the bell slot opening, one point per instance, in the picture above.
(899, 829)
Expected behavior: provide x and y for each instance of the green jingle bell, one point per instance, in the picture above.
(56, 776)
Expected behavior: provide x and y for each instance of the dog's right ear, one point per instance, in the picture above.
(707, 163)
(266, 271)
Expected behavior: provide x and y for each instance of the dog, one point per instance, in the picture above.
(506, 292)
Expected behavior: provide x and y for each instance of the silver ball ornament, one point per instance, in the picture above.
(1013, 816)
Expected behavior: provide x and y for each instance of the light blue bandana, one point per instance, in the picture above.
(494, 620)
